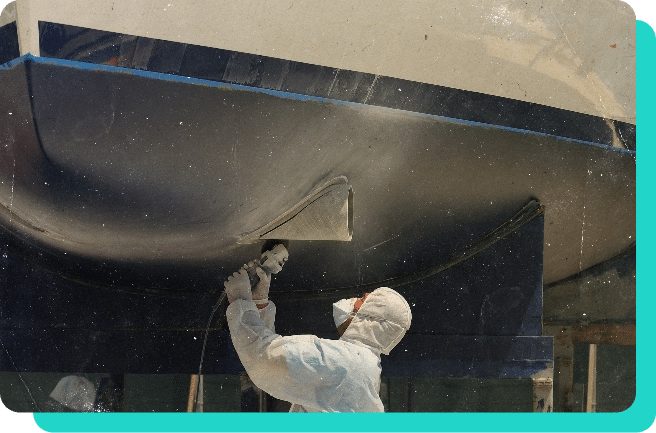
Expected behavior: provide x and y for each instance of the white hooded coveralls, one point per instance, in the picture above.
(316, 374)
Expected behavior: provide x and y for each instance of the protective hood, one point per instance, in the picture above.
(381, 322)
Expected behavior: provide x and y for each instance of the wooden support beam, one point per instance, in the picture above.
(591, 401)
(28, 28)
(196, 400)
(614, 334)
(621, 335)
(565, 338)
(193, 389)
(543, 390)
(563, 367)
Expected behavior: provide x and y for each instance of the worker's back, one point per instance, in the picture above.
(345, 376)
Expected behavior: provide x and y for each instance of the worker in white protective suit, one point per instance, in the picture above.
(316, 374)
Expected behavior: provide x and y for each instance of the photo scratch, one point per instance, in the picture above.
(332, 84)
(9, 146)
(582, 234)
(27, 388)
(11, 198)
(381, 243)
(371, 90)
(563, 30)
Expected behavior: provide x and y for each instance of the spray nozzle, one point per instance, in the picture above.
(271, 261)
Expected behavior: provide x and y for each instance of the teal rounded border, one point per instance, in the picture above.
(639, 417)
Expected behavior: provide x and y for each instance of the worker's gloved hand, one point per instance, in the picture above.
(238, 286)
(261, 289)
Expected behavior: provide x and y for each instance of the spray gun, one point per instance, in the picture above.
(274, 255)
(273, 258)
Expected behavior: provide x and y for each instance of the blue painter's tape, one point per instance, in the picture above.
(293, 96)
